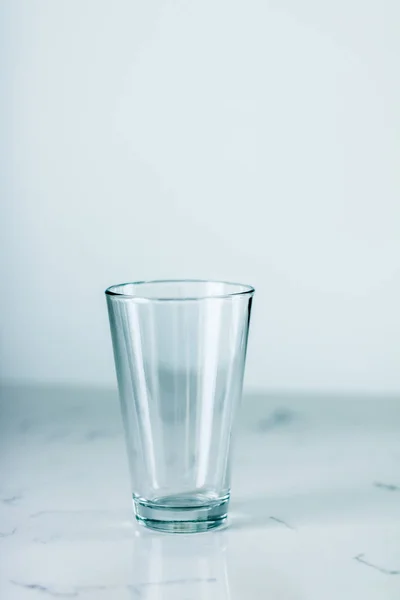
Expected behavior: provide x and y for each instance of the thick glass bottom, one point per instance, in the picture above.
(182, 513)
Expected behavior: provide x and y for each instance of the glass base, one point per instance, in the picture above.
(182, 513)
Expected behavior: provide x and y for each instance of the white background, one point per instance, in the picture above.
(246, 140)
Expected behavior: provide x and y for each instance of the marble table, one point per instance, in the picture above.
(315, 511)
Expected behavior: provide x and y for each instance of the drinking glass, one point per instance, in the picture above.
(180, 350)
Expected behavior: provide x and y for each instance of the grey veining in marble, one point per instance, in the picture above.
(390, 487)
(363, 561)
(315, 509)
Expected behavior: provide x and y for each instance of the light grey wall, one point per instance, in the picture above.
(246, 140)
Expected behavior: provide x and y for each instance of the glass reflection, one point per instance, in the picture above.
(180, 567)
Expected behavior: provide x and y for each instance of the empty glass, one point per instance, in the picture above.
(180, 349)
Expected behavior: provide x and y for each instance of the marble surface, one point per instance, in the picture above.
(315, 510)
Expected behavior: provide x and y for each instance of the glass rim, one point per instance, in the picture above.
(247, 291)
